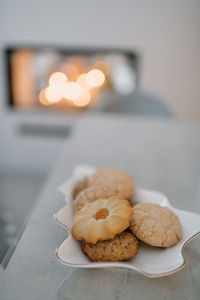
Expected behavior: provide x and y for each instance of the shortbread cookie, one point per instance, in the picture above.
(156, 225)
(120, 182)
(102, 220)
(80, 186)
(92, 194)
(122, 247)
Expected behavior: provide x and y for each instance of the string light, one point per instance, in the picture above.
(58, 78)
(72, 91)
(53, 93)
(95, 78)
(83, 82)
(42, 98)
(83, 99)
(78, 92)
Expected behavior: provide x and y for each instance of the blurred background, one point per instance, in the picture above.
(63, 60)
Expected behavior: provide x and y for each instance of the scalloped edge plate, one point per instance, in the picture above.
(150, 261)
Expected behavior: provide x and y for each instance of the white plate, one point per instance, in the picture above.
(150, 261)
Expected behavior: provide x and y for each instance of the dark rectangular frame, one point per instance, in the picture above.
(63, 50)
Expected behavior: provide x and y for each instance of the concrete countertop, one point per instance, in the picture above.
(160, 155)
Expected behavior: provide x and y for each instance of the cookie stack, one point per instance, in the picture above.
(107, 225)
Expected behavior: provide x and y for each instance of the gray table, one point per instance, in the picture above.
(160, 155)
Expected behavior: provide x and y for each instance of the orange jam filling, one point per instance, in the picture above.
(101, 214)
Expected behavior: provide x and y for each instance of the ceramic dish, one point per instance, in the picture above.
(150, 261)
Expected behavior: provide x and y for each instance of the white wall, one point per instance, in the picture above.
(165, 33)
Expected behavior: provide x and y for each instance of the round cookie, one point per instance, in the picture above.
(92, 194)
(102, 220)
(122, 247)
(156, 225)
(119, 181)
(80, 186)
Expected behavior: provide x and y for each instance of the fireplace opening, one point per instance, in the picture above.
(68, 80)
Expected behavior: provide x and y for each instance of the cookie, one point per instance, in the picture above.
(156, 225)
(119, 181)
(132, 202)
(92, 194)
(122, 247)
(80, 186)
(102, 220)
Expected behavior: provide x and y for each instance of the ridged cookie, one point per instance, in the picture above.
(102, 220)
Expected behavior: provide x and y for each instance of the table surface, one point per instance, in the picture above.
(160, 155)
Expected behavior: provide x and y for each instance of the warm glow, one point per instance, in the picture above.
(42, 97)
(72, 91)
(95, 78)
(78, 90)
(58, 78)
(83, 99)
(102, 66)
(83, 82)
(53, 93)
(71, 70)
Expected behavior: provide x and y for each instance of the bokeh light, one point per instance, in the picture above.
(95, 78)
(81, 87)
(83, 99)
(102, 66)
(53, 93)
(83, 82)
(58, 78)
(42, 98)
(71, 70)
(72, 91)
